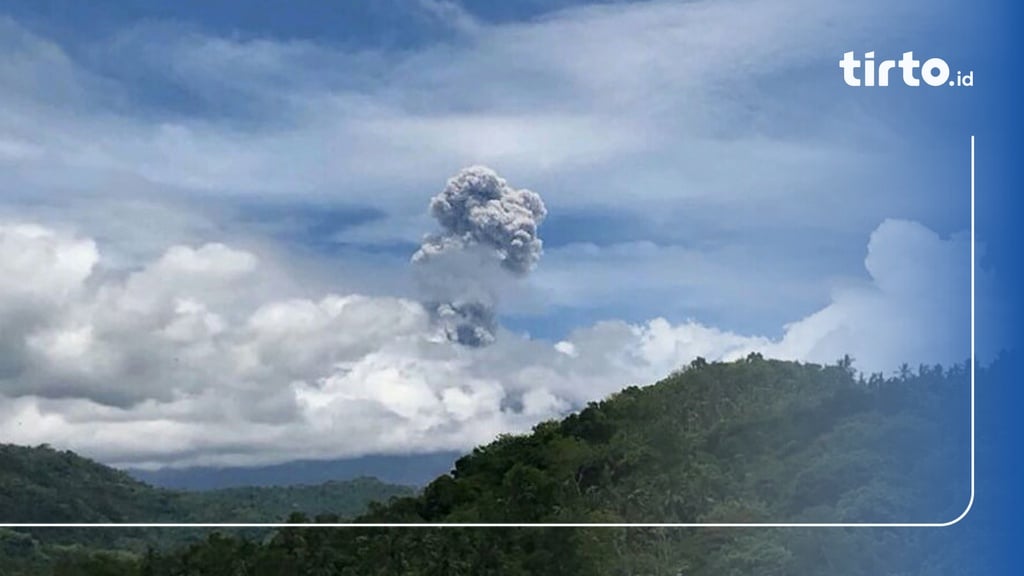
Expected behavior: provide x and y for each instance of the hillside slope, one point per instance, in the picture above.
(749, 441)
(42, 484)
(49, 486)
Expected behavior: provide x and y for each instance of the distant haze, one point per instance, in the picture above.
(409, 470)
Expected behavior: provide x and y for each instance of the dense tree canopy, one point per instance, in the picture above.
(43, 485)
(754, 440)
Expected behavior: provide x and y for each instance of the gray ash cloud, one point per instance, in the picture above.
(489, 237)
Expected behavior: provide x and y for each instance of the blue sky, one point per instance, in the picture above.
(702, 163)
(174, 64)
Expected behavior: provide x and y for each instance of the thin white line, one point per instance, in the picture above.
(970, 502)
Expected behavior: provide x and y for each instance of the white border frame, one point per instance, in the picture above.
(967, 509)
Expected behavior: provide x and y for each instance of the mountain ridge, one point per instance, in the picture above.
(404, 470)
(44, 485)
(751, 441)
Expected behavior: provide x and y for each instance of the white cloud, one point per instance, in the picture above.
(582, 96)
(41, 264)
(190, 360)
(916, 309)
(722, 120)
(157, 335)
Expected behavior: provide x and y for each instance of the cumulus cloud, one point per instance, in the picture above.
(161, 336)
(618, 106)
(916, 309)
(489, 232)
(186, 360)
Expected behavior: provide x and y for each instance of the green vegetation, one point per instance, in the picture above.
(50, 486)
(43, 485)
(749, 441)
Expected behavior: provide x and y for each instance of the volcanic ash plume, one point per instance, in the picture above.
(488, 239)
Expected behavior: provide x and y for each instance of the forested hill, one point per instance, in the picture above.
(749, 441)
(49, 486)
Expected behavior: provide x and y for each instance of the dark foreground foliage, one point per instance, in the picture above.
(749, 441)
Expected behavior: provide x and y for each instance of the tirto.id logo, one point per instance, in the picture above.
(933, 71)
